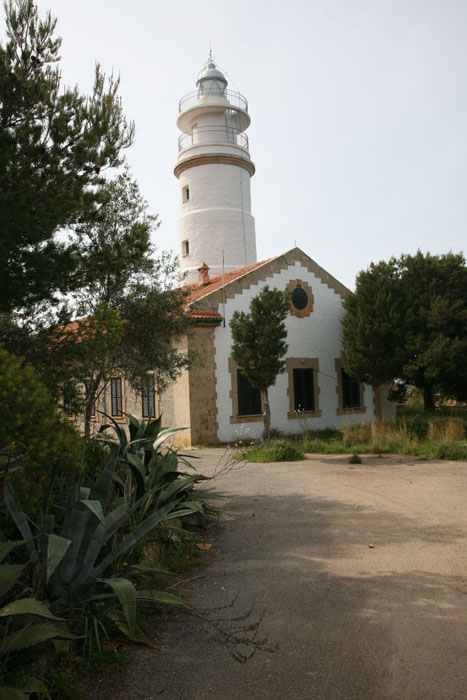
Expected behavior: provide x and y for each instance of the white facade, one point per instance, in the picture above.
(316, 336)
(214, 171)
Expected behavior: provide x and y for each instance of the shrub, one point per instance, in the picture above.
(456, 452)
(356, 434)
(274, 451)
(355, 459)
(31, 426)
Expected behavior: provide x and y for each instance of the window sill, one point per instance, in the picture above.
(350, 411)
(120, 419)
(294, 415)
(247, 419)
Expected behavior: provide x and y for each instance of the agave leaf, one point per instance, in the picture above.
(179, 486)
(186, 461)
(169, 463)
(126, 594)
(163, 598)
(73, 498)
(95, 507)
(9, 574)
(103, 484)
(7, 692)
(31, 635)
(101, 534)
(79, 531)
(137, 469)
(21, 521)
(153, 428)
(142, 529)
(119, 619)
(136, 426)
(7, 547)
(83, 493)
(28, 606)
(164, 435)
(56, 549)
(118, 429)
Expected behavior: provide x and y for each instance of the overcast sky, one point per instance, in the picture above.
(358, 108)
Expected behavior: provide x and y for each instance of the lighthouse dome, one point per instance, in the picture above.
(210, 78)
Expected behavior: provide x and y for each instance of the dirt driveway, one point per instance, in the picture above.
(352, 622)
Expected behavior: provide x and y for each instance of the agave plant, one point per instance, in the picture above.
(152, 477)
(78, 559)
(25, 624)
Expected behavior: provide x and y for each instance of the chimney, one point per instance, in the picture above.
(203, 275)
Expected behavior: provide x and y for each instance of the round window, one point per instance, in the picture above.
(299, 298)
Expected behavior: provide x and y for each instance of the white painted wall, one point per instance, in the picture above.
(217, 217)
(317, 335)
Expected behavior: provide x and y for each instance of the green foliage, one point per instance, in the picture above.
(79, 561)
(54, 144)
(408, 320)
(273, 451)
(355, 459)
(26, 627)
(259, 342)
(131, 312)
(39, 441)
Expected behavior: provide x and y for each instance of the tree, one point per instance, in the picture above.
(54, 145)
(408, 321)
(39, 442)
(130, 310)
(259, 343)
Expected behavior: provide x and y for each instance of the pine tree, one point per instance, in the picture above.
(54, 144)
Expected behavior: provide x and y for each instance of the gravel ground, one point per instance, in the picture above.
(361, 571)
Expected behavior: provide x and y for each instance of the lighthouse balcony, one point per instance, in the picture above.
(213, 97)
(210, 135)
(197, 104)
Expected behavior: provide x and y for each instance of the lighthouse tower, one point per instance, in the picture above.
(214, 171)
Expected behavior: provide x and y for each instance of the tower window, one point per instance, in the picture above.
(185, 247)
(186, 193)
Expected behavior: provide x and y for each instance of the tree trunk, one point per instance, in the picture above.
(87, 419)
(428, 399)
(267, 414)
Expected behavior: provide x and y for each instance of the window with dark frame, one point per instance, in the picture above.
(249, 398)
(116, 406)
(185, 247)
(148, 396)
(186, 194)
(303, 389)
(350, 391)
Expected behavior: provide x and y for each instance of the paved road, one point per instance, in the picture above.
(352, 622)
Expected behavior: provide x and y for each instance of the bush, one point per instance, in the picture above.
(274, 451)
(35, 441)
(456, 452)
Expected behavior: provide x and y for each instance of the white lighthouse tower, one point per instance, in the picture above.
(214, 171)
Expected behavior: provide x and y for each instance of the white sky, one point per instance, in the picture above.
(358, 108)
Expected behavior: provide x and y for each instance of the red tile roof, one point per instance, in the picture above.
(217, 281)
(202, 315)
